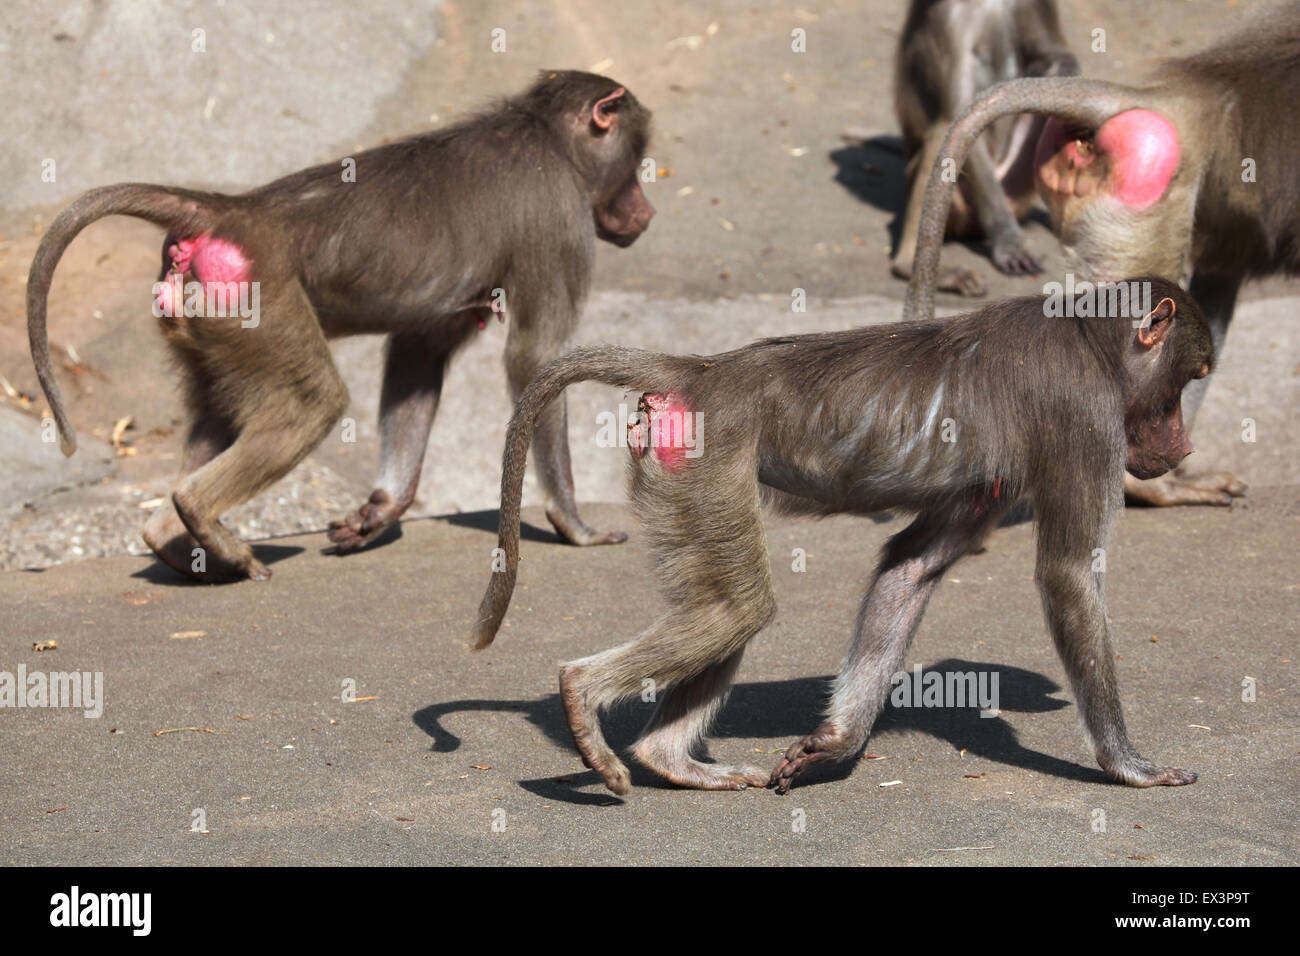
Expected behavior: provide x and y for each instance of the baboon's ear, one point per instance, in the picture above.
(1156, 324)
(603, 113)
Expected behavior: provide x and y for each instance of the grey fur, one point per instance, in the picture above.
(1047, 409)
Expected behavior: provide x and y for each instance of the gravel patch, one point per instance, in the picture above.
(107, 519)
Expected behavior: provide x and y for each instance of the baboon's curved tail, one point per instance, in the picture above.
(1072, 99)
(177, 210)
(612, 365)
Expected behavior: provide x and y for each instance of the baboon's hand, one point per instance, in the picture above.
(827, 742)
(360, 528)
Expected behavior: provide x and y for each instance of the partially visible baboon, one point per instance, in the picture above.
(1191, 173)
(956, 420)
(951, 51)
(424, 240)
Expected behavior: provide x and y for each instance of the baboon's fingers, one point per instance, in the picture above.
(363, 525)
(827, 742)
(789, 768)
(1013, 259)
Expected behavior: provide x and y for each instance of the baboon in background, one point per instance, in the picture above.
(1190, 171)
(421, 244)
(950, 51)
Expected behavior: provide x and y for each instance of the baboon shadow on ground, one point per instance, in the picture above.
(786, 710)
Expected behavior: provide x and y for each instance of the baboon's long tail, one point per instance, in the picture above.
(612, 365)
(1072, 99)
(174, 209)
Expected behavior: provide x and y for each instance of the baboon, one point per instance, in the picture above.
(1190, 174)
(956, 420)
(424, 240)
(951, 51)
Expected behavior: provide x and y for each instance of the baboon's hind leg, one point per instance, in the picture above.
(720, 597)
(285, 395)
(164, 532)
(670, 741)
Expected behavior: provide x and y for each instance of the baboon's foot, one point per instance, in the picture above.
(168, 538)
(1138, 772)
(701, 776)
(1213, 488)
(584, 725)
(573, 530)
(961, 281)
(222, 556)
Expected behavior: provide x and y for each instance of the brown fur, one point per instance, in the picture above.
(511, 199)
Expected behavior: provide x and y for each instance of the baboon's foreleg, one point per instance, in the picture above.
(1076, 617)
(913, 562)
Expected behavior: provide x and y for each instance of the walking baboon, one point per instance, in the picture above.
(956, 420)
(423, 240)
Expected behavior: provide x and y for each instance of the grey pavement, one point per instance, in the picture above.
(454, 742)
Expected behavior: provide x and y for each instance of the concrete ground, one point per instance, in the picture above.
(442, 743)
(781, 171)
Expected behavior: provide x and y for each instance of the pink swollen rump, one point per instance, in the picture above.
(662, 423)
(209, 259)
(218, 260)
(1144, 148)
